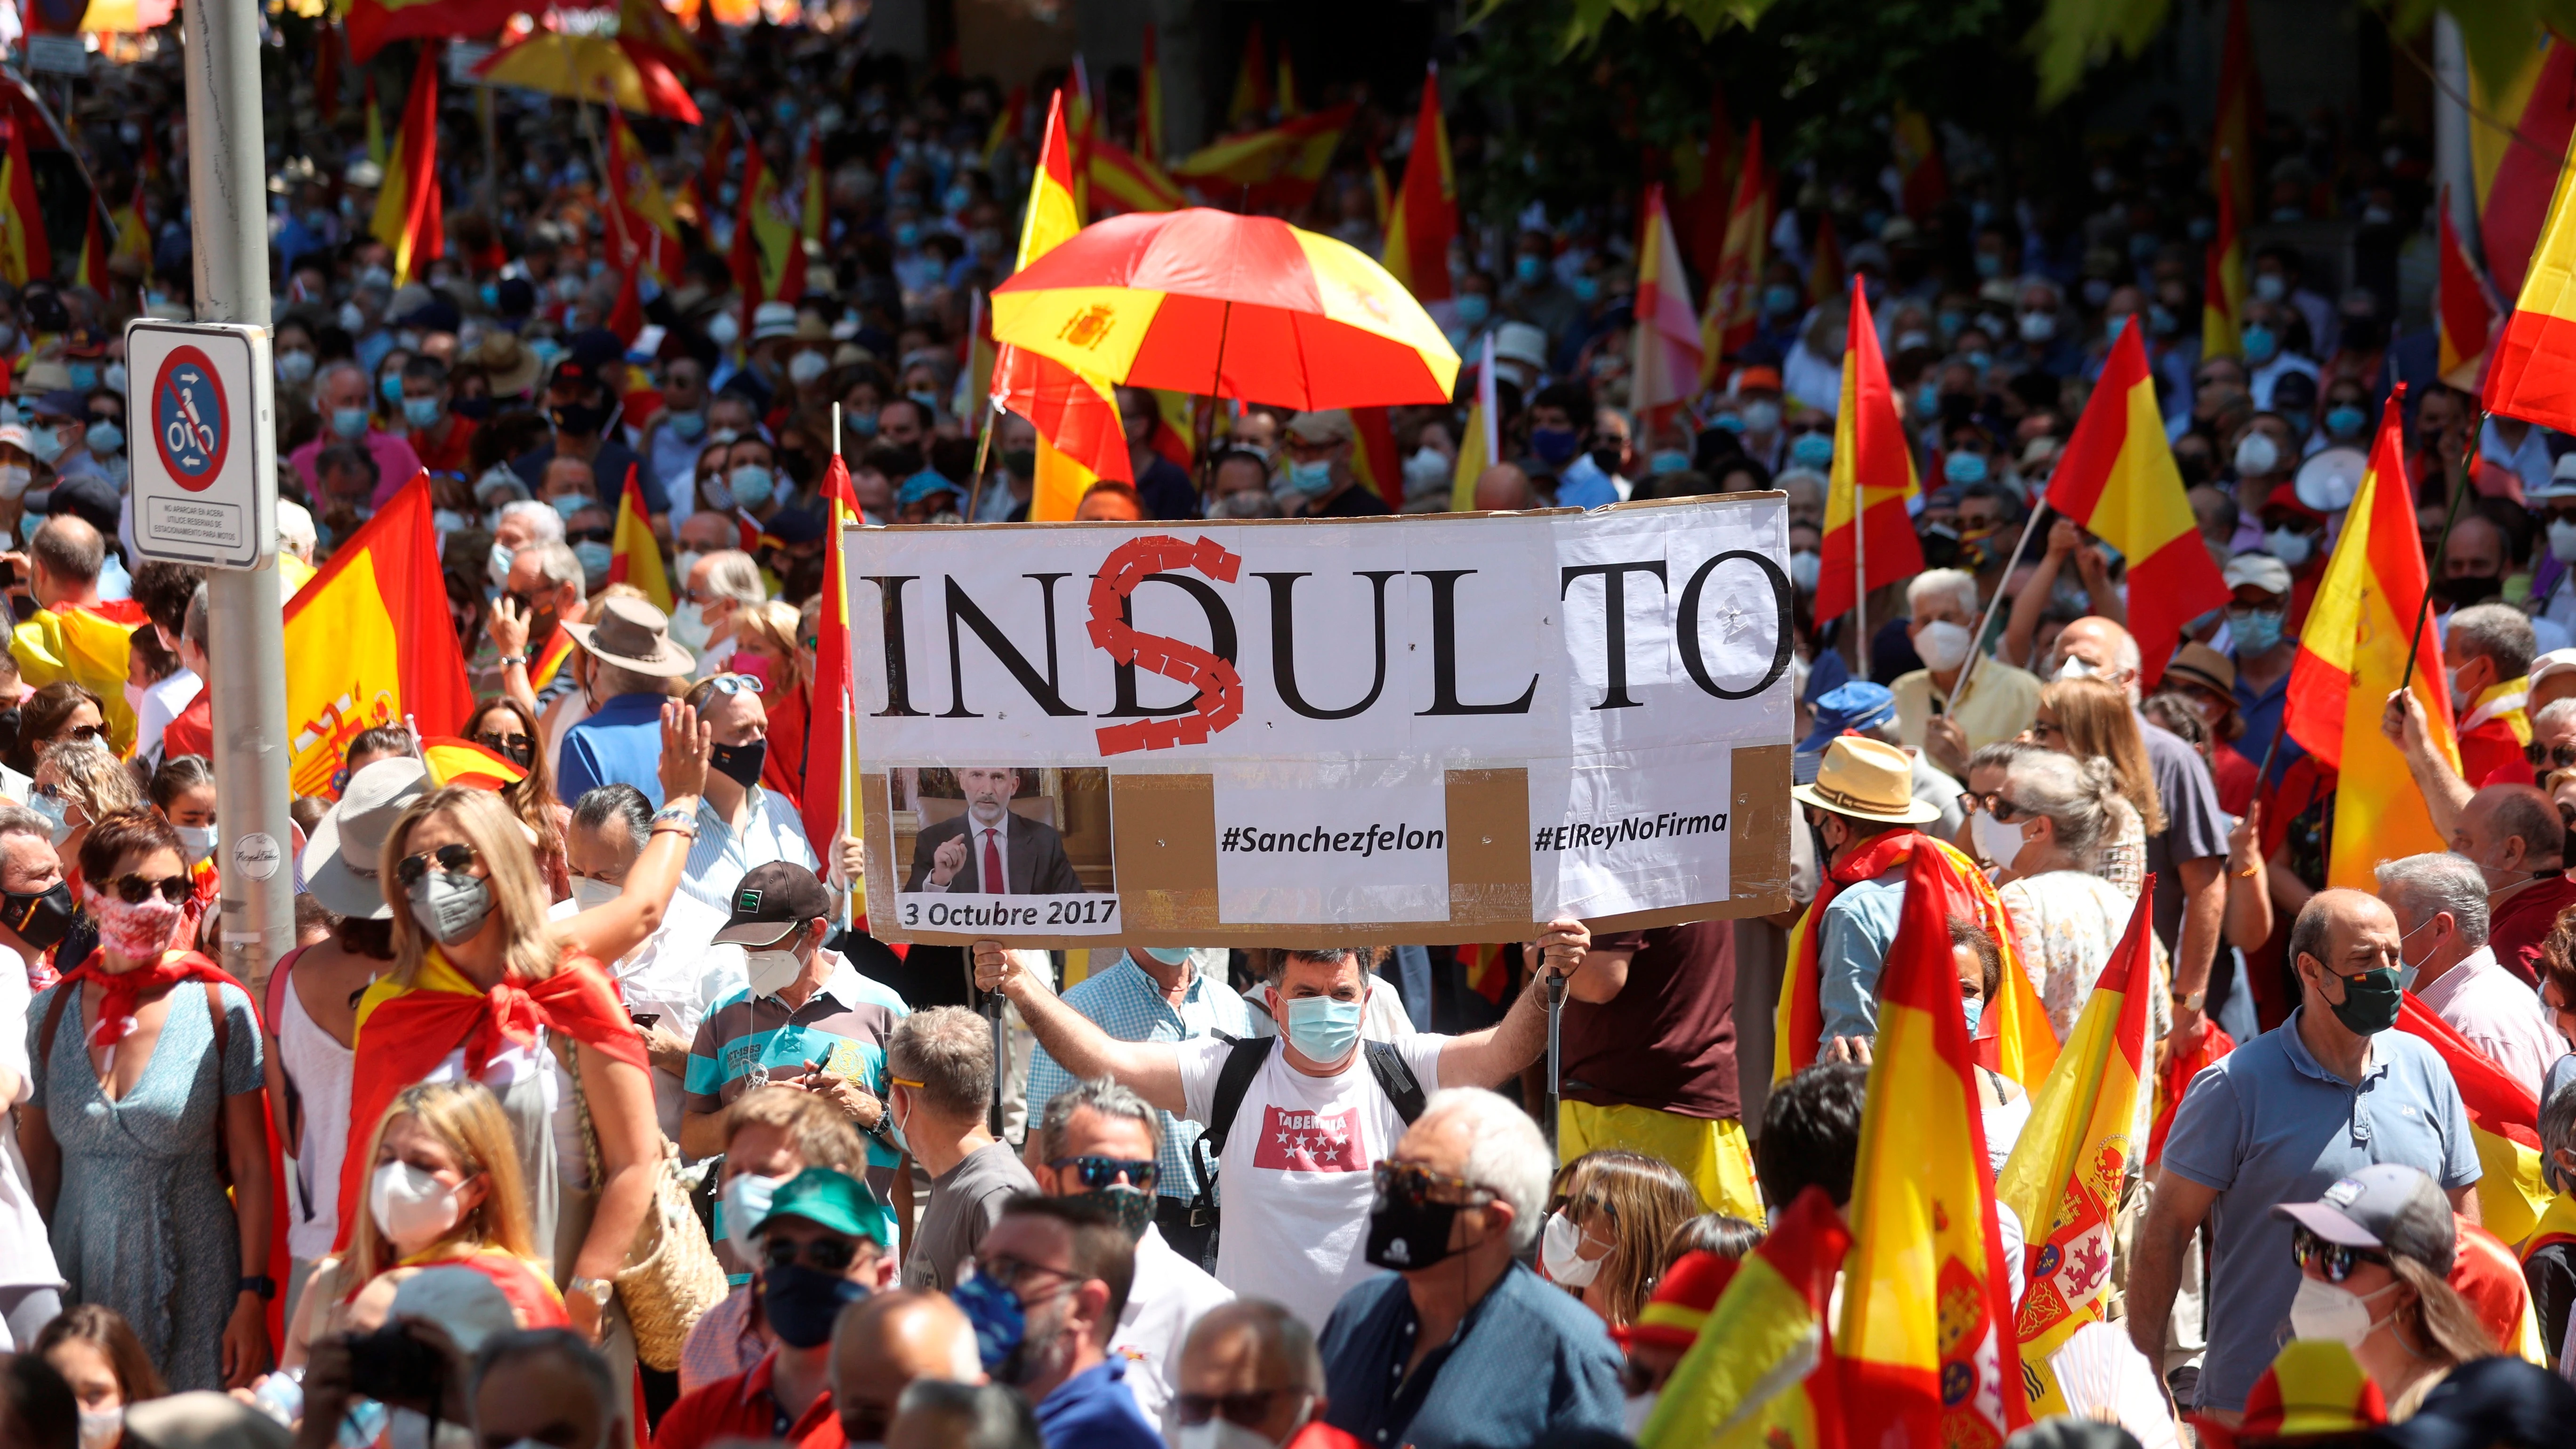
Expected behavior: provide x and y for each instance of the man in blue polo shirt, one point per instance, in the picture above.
(2281, 1119)
(632, 655)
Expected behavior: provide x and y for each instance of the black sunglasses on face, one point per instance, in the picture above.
(2333, 1260)
(134, 890)
(1100, 1173)
(2557, 757)
(518, 749)
(1247, 1409)
(823, 1255)
(453, 859)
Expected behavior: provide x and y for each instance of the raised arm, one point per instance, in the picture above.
(1483, 1058)
(2445, 793)
(1152, 1069)
(610, 930)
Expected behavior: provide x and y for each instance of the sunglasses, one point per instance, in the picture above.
(518, 749)
(86, 732)
(134, 890)
(1099, 1174)
(2334, 1261)
(453, 859)
(590, 535)
(823, 1255)
(1415, 1185)
(735, 684)
(1248, 1408)
(2004, 811)
(2557, 757)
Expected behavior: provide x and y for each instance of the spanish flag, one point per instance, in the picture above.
(1929, 1356)
(1479, 448)
(94, 253)
(133, 234)
(372, 23)
(1277, 169)
(830, 805)
(2504, 1123)
(1825, 270)
(407, 208)
(1665, 372)
(2513, 157)
(2352, 654)
(2118, 479)
(2463, 312)
(1250, 105)
(1081, 439)
(768, 249)
(550, 660)
(645, 25)
(452, 761)
(1006, 126)
(2240, 114)
(1703, 184)
(1149, 99)
(1873, 480)
(1732, 316)
(90, 645)
(2533, 376)
(1123, 181)
(2064, 1175)
(635, 556)
(2222, 291)
(1762, 1374)
(25, 255)
(1423, 217)
(369, 642)
(635, 195)
(1373, 457)
(1917, 147)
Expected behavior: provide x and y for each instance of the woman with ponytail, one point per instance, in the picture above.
(2066, 919)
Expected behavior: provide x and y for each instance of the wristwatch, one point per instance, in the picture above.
(264, 1286)
(2189, 1001)
(597, 1290)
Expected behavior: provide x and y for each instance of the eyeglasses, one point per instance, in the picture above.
(453, 859)
(2333, 1260)
(86, 732)
(1248, 1408)
(1007, 1271)
(2557, 757)
(2004, 811)
(905, 1082)
(1414, 1185)
(134, 890)
(735, 684)
(1101, 1173)
(519, 749)
(1575, 1209)
(590, 535)
(823, 1255)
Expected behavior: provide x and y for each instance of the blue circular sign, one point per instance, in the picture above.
(189, 424)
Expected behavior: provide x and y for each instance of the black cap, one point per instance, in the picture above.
(88, 496)
(771, 901)
(597, 346)
(514, 297)
(793, 526)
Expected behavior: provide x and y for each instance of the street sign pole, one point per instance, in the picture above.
(227, 184)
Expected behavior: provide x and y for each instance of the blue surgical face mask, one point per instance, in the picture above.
(752, 486)
(45, 441)
(687, 426)
(1972, 1007)
(350, 423)
(1587, 288)
(84, 375)
(1812, 450)
(568, 504)
(390, 386)
(1473, 308)
(1554, 446)
(596, 557)
(1668, 460)
(907, 235)
(2255, 631)
(1990, 264)
(420, 412)
(2260, 343)
(105, 438)
(1927, 399)
(1313, 480)
(1528, 268)
(1779, 299)
(2344, 422)
(1168, 955)
(1321, 1028)
(1964, 467)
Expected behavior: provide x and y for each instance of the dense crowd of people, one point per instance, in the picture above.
(586, 1110)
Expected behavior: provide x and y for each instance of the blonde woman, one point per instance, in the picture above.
(766, 634)
(485, 986)
(78, 781)
(1606, 1229)
(443, 1189)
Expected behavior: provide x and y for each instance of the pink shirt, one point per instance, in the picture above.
(2498, 1014)
(396, 463)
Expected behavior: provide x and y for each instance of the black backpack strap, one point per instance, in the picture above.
(1395, 1078)
(1243, 1061)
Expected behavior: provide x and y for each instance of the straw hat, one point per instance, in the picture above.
(340, 860)
(1866, 780)
(511, 367)
(633, 635)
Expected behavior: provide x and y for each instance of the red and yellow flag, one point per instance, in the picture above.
(830, 807)
(1666, 370)
(2352, 655)
(1825, 268)
(1762, 1374)
(1873, 480)
(2118, 479)
(1929, 1355)
(2240, 114)
(768, 242)
(1006, 126)
(133, 233)
(94, 253)
(2463, 311)
(652, 229)
(1122, 181)
(1289, 110)
(1703, 186)
(372, 23)
(1733, 315)
(452, 761)
(2533, 376)
(407, 217)
(646, 26)
(2504, 1124)
(1481, 444)
(1149, 98)
(636, 558)
(1278, 169)
(25, 255)
(369, 642)
(1423, 218)
(90, 645)
(1251, 103)
(1917, 146)
(1080, 437)
(1374, 460)
(2513, 157)
(2222, 290)
(2063, 1178)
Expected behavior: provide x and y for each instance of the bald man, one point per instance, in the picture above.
(1252, 1352)
(2283, 1118)
(1504, 488)
(60, 572)
(884, 1342)
(2514, 836)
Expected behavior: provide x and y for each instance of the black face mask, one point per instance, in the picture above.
(1405, 1236)
(582, 420)
(740, 763)
(473, 408)
(2461, 592)
(41, 919)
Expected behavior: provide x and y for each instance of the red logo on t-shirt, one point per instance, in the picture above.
(1309, 1141)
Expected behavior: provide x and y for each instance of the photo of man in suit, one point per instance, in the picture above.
(989, 843)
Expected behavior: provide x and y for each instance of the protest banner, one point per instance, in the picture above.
(1384, 730)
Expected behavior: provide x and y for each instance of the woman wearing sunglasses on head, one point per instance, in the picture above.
(78, 781)
(145, 1054)
(484, 986)
(509, 729)
(748, 819)
(60, 710)
(2374, 1258)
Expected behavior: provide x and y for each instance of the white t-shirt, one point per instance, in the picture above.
(162, 703)
(26, 1255)
(679, 974)
(1296, 1166)
(1168, 1295)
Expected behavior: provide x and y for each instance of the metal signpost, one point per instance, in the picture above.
(205, 474)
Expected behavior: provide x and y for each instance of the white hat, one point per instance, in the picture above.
(1522, 343)
(2562, 481)
(341, 859)
(772, 319)
(465, 1303)
(2553, 664)
(2258, 570)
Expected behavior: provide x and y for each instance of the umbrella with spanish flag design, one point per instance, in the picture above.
(1249, 307)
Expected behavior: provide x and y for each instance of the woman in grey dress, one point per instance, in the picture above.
(133, 1103)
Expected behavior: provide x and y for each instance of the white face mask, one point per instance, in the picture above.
(1425, 469)
(772, 971)
(2292, 547)
(2323, 1310)
(2256, 455)
(1999, 843)
(1942, 645)
(200, 841)
(590, 893)
(2562, 542)
(746, 1202)
(2075, 668)
(99, 1427)
(412, 1208)
(1220, 1432)
(1560, 1251)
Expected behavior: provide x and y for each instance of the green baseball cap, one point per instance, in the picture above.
(828, 1199)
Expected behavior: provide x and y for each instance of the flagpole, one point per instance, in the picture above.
(2459, 495)
(1860, 571)
(1988, 621)
(983, 447)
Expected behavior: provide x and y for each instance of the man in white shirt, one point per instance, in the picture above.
(2440, 900)
(1313, 1118)
(1100, 1140)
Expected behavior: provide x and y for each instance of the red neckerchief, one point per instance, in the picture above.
(125, 989)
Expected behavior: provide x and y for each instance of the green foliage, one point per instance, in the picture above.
(2073, 36)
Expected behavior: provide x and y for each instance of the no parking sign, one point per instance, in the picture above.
(205, 458)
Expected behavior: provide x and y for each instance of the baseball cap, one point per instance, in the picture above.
(2285, 499)
(828, 1199)
(2387, 1205)
(61, 403)
(2257, 570)
(1858, 705)
(1321, 427)
(771, 901)
(1765, 378)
